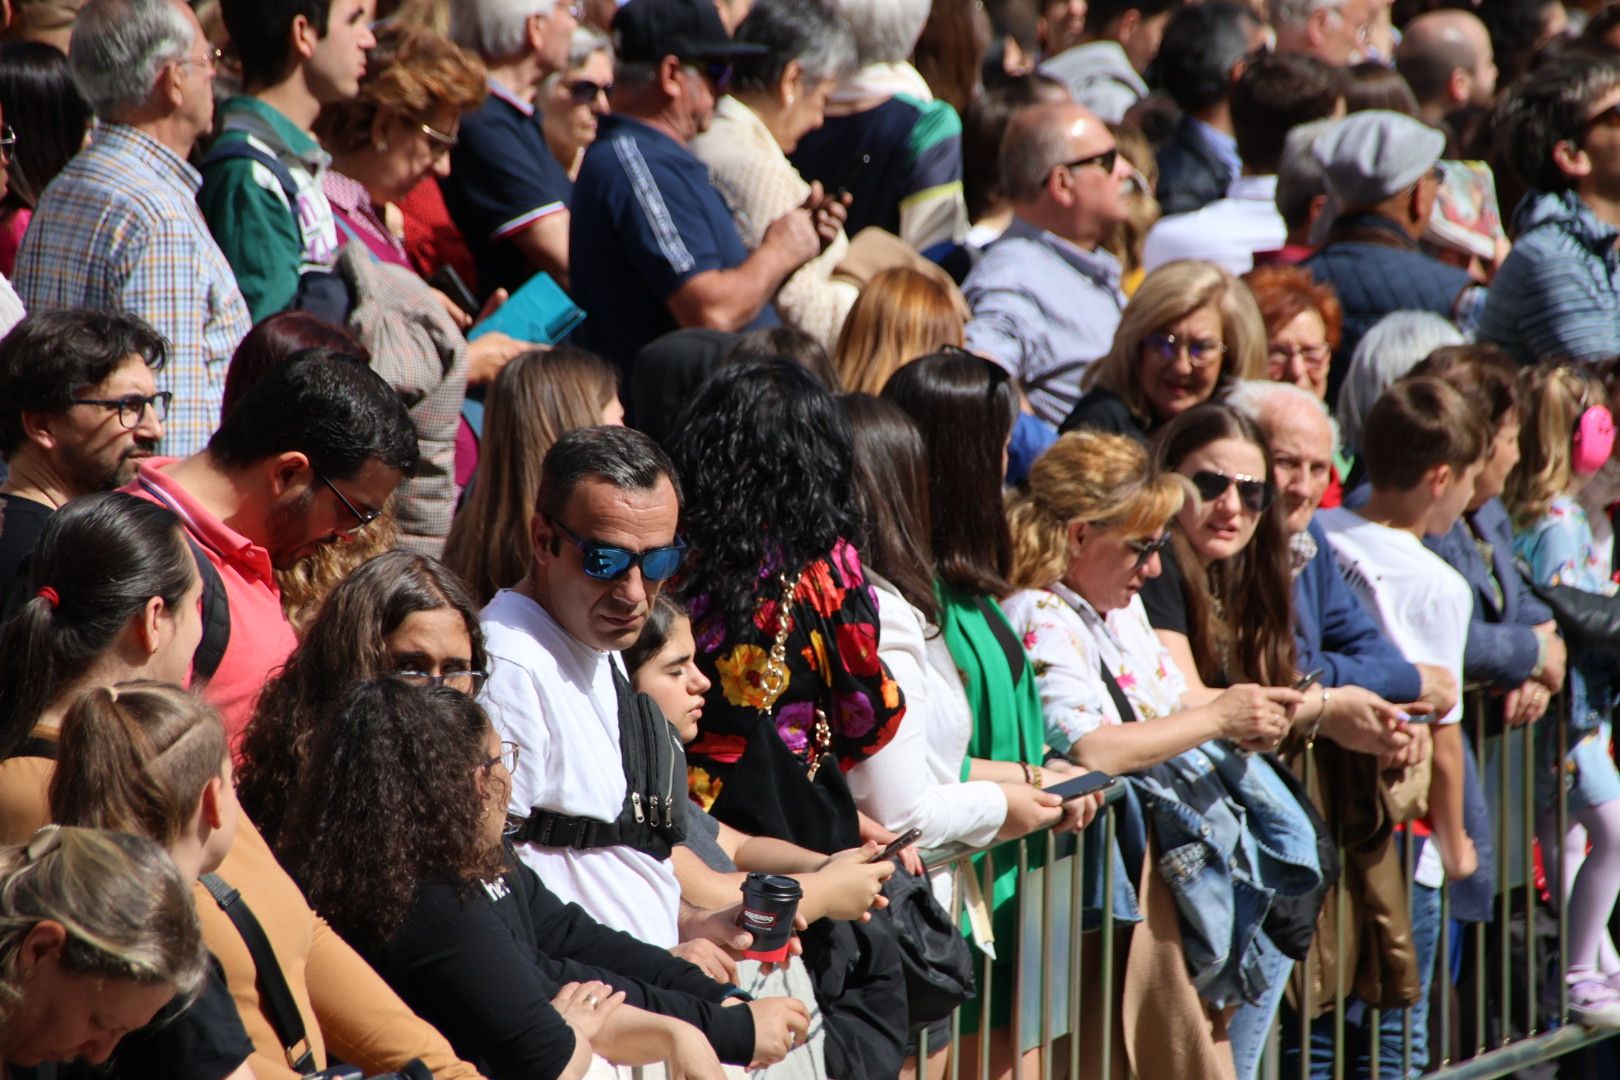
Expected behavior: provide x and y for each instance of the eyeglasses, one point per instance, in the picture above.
(584, 91)
(8, 144)
(361, 517)
(210, 59)
(468, 682)
(1146, 549)
(132, 407)
(1254, 493)
(1314, 357)
(1201, 352)
(508, 757)
(1104, 161)
(604, 562)
(442, 142)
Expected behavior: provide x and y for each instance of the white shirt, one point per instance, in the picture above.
(888, 786)
(1421, 603)
(554, 697)
(1228, 232)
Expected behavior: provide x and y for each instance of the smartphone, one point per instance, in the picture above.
(447, 281)
(1080, 785)
(1305, 682)
(852, 174)
(904, 840)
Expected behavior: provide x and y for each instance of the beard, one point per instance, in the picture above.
(91, 474)
(287, 527)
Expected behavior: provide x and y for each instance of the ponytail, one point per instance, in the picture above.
(136, 758)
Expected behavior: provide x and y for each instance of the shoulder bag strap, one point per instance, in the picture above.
(1127, 713)
(283, 1010)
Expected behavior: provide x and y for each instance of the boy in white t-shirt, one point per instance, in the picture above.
(1423, 445)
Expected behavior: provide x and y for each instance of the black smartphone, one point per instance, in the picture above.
(1305, 682)
(1080, 785)
(904, 840)
(852, 174)
(447, 281)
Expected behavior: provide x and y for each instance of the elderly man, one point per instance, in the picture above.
(506, 192)
(654, 245)
(1046, 296)
(1445, 57)
(78, 410)
(1336, 32)
(1557, 294)
(119, 228)
(1381, 166)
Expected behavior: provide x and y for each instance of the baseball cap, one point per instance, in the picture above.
(649, 30)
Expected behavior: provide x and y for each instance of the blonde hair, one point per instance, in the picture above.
(306, 584)
(900, 315)
(1103, 480)
(1551, 401)
(535, 400)
(127, 913)
(1174, 291)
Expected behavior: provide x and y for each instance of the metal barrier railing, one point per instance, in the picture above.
(1518, 1008)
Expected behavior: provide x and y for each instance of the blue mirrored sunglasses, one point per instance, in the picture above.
(608, 563)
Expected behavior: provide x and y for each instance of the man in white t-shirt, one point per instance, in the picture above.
(604, 543)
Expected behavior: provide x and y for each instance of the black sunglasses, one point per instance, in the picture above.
(608, 563)
(1104, 161)
(1255, 494)
(1146, 549)
(584, 91)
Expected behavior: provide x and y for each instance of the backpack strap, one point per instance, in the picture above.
(35, 746)
(232, 149)
(283, 1010)
(216, 606)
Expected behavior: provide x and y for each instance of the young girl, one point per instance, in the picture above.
(1566, 437)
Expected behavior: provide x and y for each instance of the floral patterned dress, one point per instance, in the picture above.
(831, 665)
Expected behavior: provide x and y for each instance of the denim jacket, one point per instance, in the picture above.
(1231, 838)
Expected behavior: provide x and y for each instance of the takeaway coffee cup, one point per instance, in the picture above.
(769, 904)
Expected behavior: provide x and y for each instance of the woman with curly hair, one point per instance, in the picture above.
(401, 821)
(400, 612)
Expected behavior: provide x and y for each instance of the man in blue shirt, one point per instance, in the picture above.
(654, 247)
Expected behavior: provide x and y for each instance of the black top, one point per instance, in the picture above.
(1105, 411)
(21, 522)
(482, 962)
(1165, 597)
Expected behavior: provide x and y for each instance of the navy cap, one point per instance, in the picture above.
(649, 30)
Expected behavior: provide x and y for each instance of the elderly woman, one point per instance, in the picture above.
(1188, 332)
(1389, 350)
(570, 100)
(1087, 536)
(1304, 321)
(775, 99)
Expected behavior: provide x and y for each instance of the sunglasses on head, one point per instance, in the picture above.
(1255, 494)
(608, 563)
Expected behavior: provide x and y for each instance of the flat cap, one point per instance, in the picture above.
(1369, 156)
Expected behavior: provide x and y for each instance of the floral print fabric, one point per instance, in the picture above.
(831, 662)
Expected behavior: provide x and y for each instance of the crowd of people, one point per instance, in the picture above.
(487, 487)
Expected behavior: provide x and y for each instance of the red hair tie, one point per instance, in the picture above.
(50, 596)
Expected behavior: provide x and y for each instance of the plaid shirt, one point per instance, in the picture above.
(119, 229)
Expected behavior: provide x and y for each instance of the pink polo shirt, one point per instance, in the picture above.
(261, 638)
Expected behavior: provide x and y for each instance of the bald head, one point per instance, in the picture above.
(1042, 137)
(1445, 56)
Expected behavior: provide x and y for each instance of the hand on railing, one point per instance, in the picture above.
(1420, 744)
(1358, 719)
(1525, 704)
(1028, 808)
(780, 1024)
(1554, 658)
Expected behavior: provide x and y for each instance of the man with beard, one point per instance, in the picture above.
(309, 455)
(78, 408)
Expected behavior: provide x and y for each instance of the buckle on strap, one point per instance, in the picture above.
(547, 829)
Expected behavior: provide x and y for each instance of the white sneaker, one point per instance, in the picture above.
(1594, 1002)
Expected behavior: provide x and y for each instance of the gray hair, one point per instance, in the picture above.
(1300, 177)
(118, 48)
(585, 43)
(494, 29)
(885, 30)
(1253, 398)
(1296, 12)
(808, 31)
(1385, 353)
(1031, 149)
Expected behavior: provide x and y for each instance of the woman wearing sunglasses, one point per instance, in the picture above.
(1190, 329)
(400, 612)
(570, 100)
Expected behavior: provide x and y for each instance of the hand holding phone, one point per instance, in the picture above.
(1305, 682)
(1080, 786)
(904, 840)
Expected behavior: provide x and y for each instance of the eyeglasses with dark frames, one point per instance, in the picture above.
(1146, 549)
(1104, 161)
(1254, 493)
(362, 517)
(132, 407)
(606, 562)
(469, 682)
(584, 91)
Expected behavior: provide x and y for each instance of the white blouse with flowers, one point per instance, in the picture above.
(1068, 642)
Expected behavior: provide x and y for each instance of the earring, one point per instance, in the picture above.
(382, 145)
(790, 100)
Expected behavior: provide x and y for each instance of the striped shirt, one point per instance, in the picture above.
(119, 229)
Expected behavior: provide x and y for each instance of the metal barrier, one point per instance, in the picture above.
(1517, 1015)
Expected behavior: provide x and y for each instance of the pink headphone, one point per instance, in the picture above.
(1594, 440)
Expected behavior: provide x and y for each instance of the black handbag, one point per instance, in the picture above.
(1590, 622)
(936, 958)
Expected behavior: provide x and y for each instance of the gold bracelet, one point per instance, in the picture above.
(1036, 770)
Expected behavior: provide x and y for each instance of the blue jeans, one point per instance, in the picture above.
(1250, 1027)
(1391, 1022)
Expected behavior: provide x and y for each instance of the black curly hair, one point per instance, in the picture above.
(765, 457)
(392, 796)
